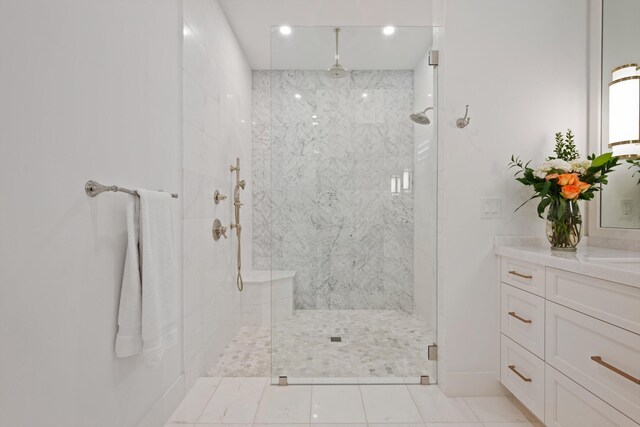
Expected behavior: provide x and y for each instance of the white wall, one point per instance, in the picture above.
(217, 116)
(90, 90)
(522, 68)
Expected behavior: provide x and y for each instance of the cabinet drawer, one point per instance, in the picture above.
(523, 275)
(574, 339)
(569, 405)
(522, 318)
(612, 302)
(523, 374)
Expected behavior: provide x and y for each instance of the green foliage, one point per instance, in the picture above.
(565, 147)
(548, 191)
(635, 164)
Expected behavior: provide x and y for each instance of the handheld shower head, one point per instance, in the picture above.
(421, 117)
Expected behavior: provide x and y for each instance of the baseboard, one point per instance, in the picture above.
(456, 384)
(164, 407)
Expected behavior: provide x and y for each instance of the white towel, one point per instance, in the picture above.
(148, 317)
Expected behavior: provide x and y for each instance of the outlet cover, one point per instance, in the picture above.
(490, 208)
(626, 206)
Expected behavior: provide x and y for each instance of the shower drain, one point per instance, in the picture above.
(336, 339)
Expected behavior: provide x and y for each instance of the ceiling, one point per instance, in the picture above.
(361, 48)
(313, 48)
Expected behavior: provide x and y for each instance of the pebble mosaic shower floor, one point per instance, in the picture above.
(376, 346)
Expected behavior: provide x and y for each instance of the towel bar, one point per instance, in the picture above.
(93, 188)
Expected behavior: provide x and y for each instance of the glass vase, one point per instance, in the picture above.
(564, 225)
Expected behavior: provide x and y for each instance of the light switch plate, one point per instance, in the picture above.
(490, 208)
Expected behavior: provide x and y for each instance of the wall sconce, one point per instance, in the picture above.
(406, 181)
(396, 184)
(624, 111)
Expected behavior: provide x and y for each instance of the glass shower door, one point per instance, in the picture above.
(349, 199)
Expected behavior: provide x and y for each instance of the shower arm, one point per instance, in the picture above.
(337, 30)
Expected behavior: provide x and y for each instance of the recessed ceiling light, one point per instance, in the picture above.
(364, 95)
(388, 30)
(298, 96)
(314, 116)
(285, 30)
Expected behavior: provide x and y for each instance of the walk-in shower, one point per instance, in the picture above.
(324, 151)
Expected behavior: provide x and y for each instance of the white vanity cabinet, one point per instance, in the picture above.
(570, 341)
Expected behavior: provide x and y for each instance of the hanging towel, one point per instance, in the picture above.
(153, 327)
(129, 337)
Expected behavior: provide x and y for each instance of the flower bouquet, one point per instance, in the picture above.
(559, 183)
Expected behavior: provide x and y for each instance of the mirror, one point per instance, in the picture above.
(620, 200)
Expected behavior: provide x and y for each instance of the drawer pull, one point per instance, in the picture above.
(522, 319)
(522, 377)
(524, 276)
(620, 372)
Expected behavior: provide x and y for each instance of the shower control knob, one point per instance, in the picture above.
(218, 197)
(218, 230)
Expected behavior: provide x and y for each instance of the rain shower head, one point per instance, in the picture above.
(421, 117)
(337, 71)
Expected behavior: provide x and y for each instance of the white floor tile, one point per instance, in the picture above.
(235, 401)
(495, 409)
(195, 401)
(389, 404)
(337, 404)
(337, 425)
(434, 406)
(271, 425)
(284, 405)
(227, 425)
(508, 425)
(178, 425)
(396, 425)
(454, 425)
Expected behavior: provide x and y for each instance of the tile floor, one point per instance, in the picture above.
(376, 344)
(254, 402)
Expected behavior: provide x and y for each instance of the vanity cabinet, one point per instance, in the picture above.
(570, 344)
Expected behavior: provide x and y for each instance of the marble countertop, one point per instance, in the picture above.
(616, 265)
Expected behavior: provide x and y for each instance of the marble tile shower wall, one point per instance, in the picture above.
(324, 151)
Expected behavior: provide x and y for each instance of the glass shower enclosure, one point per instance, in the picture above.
(348, 194)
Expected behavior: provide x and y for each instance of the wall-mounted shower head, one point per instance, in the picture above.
(421, 117)
(337, 71)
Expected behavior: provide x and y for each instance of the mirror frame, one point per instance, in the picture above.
(594, 122)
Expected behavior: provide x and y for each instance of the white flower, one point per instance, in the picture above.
(580, 166)
(555, 164)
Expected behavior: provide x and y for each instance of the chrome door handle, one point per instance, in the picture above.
(522, 319)
(524, 276)
(618, 371)
(522, 377)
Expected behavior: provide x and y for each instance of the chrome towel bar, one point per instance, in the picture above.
(93, 188)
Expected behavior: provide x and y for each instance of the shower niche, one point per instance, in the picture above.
(344, 142)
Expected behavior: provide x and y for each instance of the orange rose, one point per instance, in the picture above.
(551, 176)
(583, 186)
(570, 191)
(568, 179)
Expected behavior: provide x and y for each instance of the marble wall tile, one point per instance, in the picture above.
(323, 154)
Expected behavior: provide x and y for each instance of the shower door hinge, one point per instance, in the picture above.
(433, 57)
(282, 380)
(432, 352)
